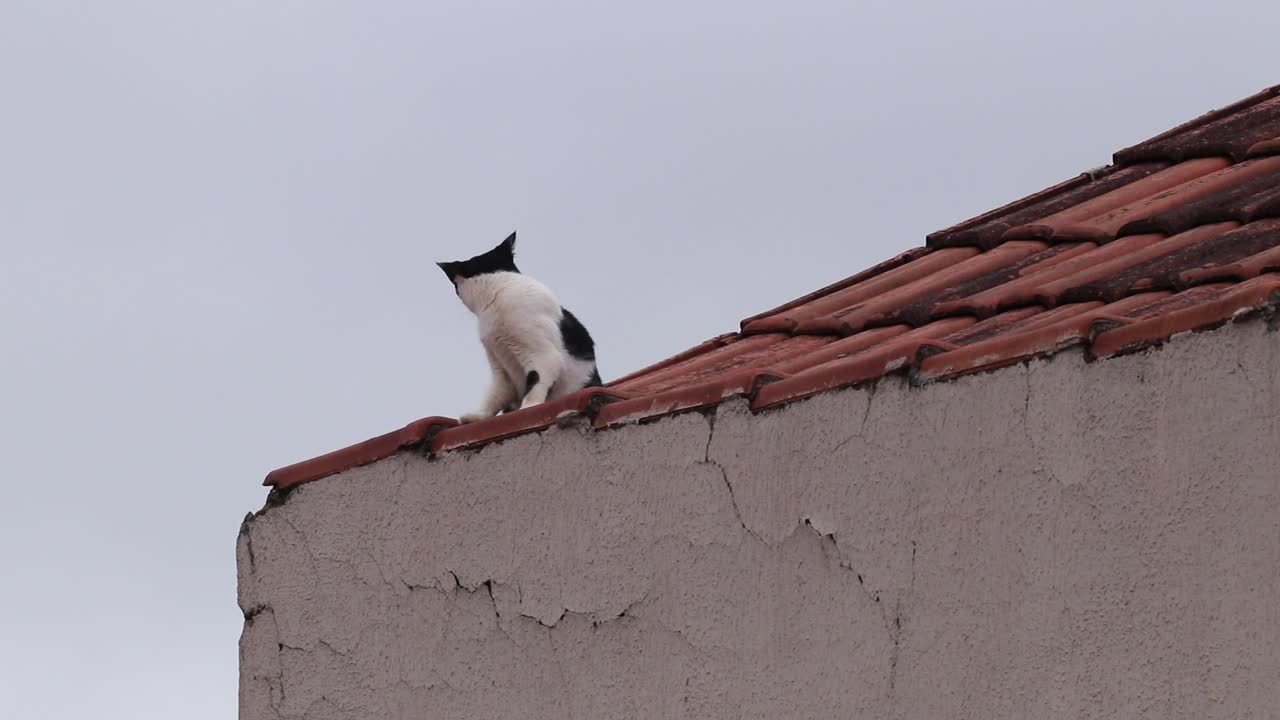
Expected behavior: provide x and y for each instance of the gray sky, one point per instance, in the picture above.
(219, 222)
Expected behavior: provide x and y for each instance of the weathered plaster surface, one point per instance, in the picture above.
(1054, 540)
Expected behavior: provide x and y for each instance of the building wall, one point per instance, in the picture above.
(1055, 540)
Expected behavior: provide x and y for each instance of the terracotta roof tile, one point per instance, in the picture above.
(842, 347)
(999, 324)
(1249, 193)
(868, 364)
(987, 231)
(1211, 307)
(1051, 332)
(413, 434)
(1266, 261)
(1111, 279)
(696, 350)
(1229, 132)
(1181, 233)
(922, 310)
(1216, 244)
(1265, 148)
(884, 267)
(751, 351)
(923, 267)
(582, 404)
(937, 286)
(1099, 219)
(1025, 289)
(743, 381)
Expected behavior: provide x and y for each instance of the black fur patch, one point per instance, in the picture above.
(499, 259)
(530, 380)
(577, 341)
(594, 380)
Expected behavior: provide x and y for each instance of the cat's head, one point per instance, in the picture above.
(499, 259)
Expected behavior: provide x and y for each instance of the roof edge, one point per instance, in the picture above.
(1202, 120)
(1099, 334)
(362, 453)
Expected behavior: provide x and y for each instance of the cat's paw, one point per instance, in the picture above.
(474, 416)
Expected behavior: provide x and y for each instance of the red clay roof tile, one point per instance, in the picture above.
(1229, 132)
(998, 324)
(1266, 261)
(1222, 303)
(751, 351)
(1265, 148)
(1181, 233)
(415, 433)
(1111, 279)
(1025, 289)
(921, 268)
(868, 364)
(1050, 331)
(987, 231)
(878, 309)
(584, 403)
(686, 397)
(696, 350)
(884, 267)
(1250, 195)
(841, 347)
(1216, 244)
(923, 310)
(1099, 218)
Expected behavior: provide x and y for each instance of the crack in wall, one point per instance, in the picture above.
(840, 562)
(862, 426)
(1033, 445)
(564, 677)
(913, 565)
(896, 635)
(733, 500)
(489, 584)
(897, 625)
(248, 541)
(893, 624)
(497, 615)
(871, 393)
(724, 475)
(711, 433)
(1026, 414)
(895, 632)
(275, 683)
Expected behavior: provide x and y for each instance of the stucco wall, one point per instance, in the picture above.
(1053, 540)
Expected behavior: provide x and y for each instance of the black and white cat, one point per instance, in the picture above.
(537, 350)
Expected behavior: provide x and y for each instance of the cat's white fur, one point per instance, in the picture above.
(519, 321)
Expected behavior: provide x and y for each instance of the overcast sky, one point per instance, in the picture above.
(219, 223)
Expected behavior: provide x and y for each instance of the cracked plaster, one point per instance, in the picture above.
(1054, 539)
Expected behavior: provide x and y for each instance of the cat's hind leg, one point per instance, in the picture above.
(501, 394)
(544, 370)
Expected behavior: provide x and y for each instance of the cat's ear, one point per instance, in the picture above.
(509, 245)
(450, 269)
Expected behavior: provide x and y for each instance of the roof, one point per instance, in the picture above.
(1180, 233)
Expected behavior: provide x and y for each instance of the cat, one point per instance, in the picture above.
(537, 350)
